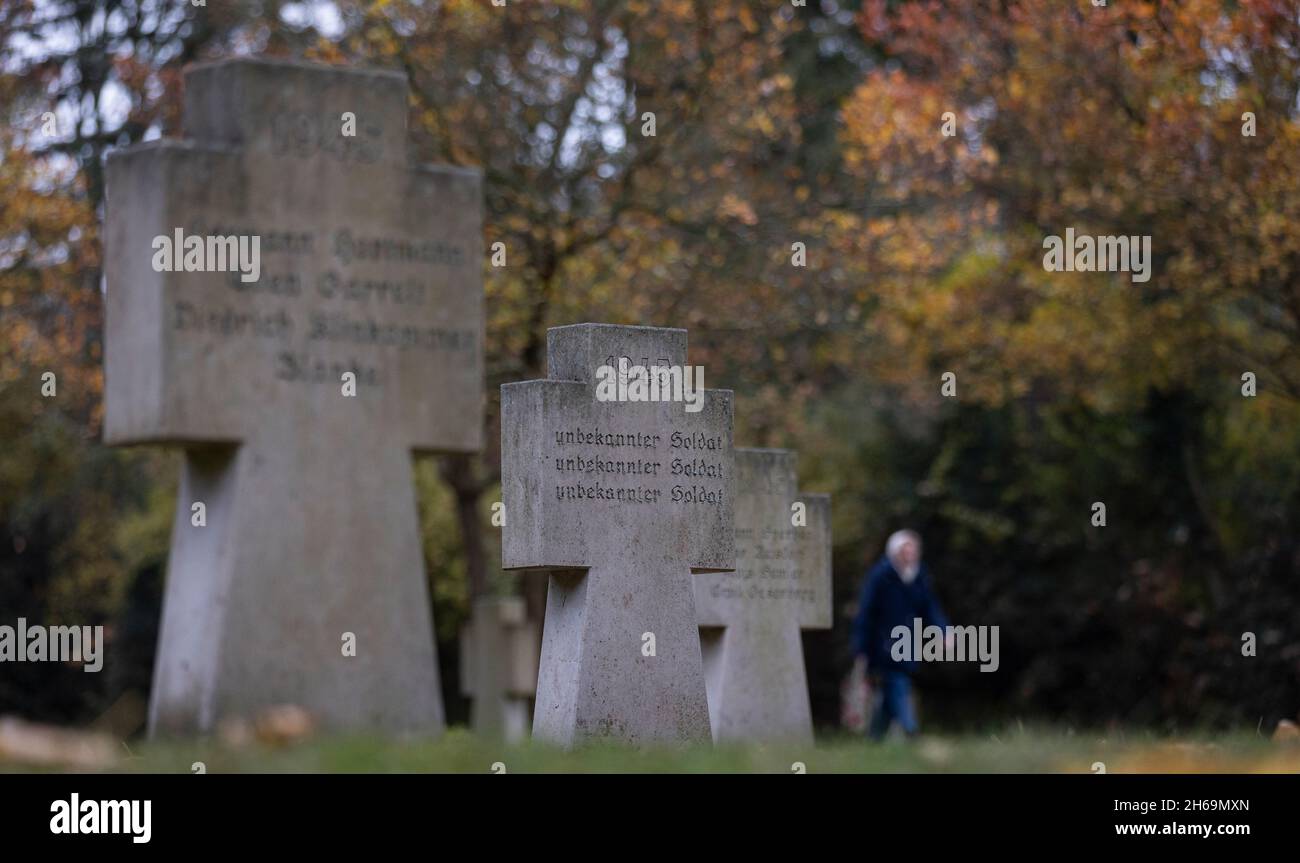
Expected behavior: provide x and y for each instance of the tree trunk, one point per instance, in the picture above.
(458, 471)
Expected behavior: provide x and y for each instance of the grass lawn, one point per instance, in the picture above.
(1016, 751)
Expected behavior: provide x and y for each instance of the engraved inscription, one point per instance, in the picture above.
(622, 466)
(325, 305)
(301, 135)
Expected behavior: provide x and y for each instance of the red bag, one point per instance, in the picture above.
(855, 698)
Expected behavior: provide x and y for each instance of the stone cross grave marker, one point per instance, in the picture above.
(750, 619)
(620, 502)
(296, 573)
(498, 667)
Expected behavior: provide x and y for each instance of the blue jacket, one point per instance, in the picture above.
(886, 603)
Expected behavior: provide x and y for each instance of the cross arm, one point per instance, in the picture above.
(151, 392)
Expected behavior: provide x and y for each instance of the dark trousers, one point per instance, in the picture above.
(893, 702)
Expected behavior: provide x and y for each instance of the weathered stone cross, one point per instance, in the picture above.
(621, 502)
(750, 619)
(300, 579)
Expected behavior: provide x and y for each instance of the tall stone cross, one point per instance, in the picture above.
(750, 619)
(620, 502)
(299, 389)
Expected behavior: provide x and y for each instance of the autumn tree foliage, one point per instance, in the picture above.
(1174, 120)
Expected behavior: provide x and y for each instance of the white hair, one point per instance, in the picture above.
(895, 544)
